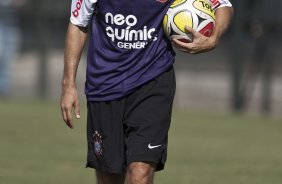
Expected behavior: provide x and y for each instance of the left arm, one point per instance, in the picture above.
(202, 43)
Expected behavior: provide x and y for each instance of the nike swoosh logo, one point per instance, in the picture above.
(152, 147)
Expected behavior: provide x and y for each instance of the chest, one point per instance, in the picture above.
(132, 6)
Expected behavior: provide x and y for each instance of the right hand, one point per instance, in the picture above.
(69, 101)
(199, 44)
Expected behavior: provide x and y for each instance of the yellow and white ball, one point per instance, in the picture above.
(197, 14)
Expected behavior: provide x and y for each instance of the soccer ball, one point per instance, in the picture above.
(197, 14)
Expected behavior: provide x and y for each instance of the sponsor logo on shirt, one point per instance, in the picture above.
(77, 8)
(162, 1)
(122, 31)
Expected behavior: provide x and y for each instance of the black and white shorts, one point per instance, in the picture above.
(131, 129)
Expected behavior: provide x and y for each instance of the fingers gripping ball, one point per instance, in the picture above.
(197, 14)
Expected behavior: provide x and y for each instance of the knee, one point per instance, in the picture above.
(109, 178)
(140, 173)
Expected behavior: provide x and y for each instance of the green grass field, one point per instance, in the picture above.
(37, 148)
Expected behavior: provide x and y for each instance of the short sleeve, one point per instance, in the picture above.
(82, 11)
(220, 3)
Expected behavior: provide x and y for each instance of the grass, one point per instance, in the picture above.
(36, 147)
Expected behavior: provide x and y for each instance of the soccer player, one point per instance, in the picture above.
(130, 82)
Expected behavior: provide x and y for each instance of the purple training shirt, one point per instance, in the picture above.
(127, 46)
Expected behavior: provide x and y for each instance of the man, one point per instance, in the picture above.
(130, 83)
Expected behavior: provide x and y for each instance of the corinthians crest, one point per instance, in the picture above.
(98, 143)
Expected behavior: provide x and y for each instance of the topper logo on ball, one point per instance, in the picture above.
(206, 5)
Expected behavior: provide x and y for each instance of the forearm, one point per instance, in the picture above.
(223, 19)
(75, 41)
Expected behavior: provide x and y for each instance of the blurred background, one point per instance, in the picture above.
(243, 74)
(228, 100)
